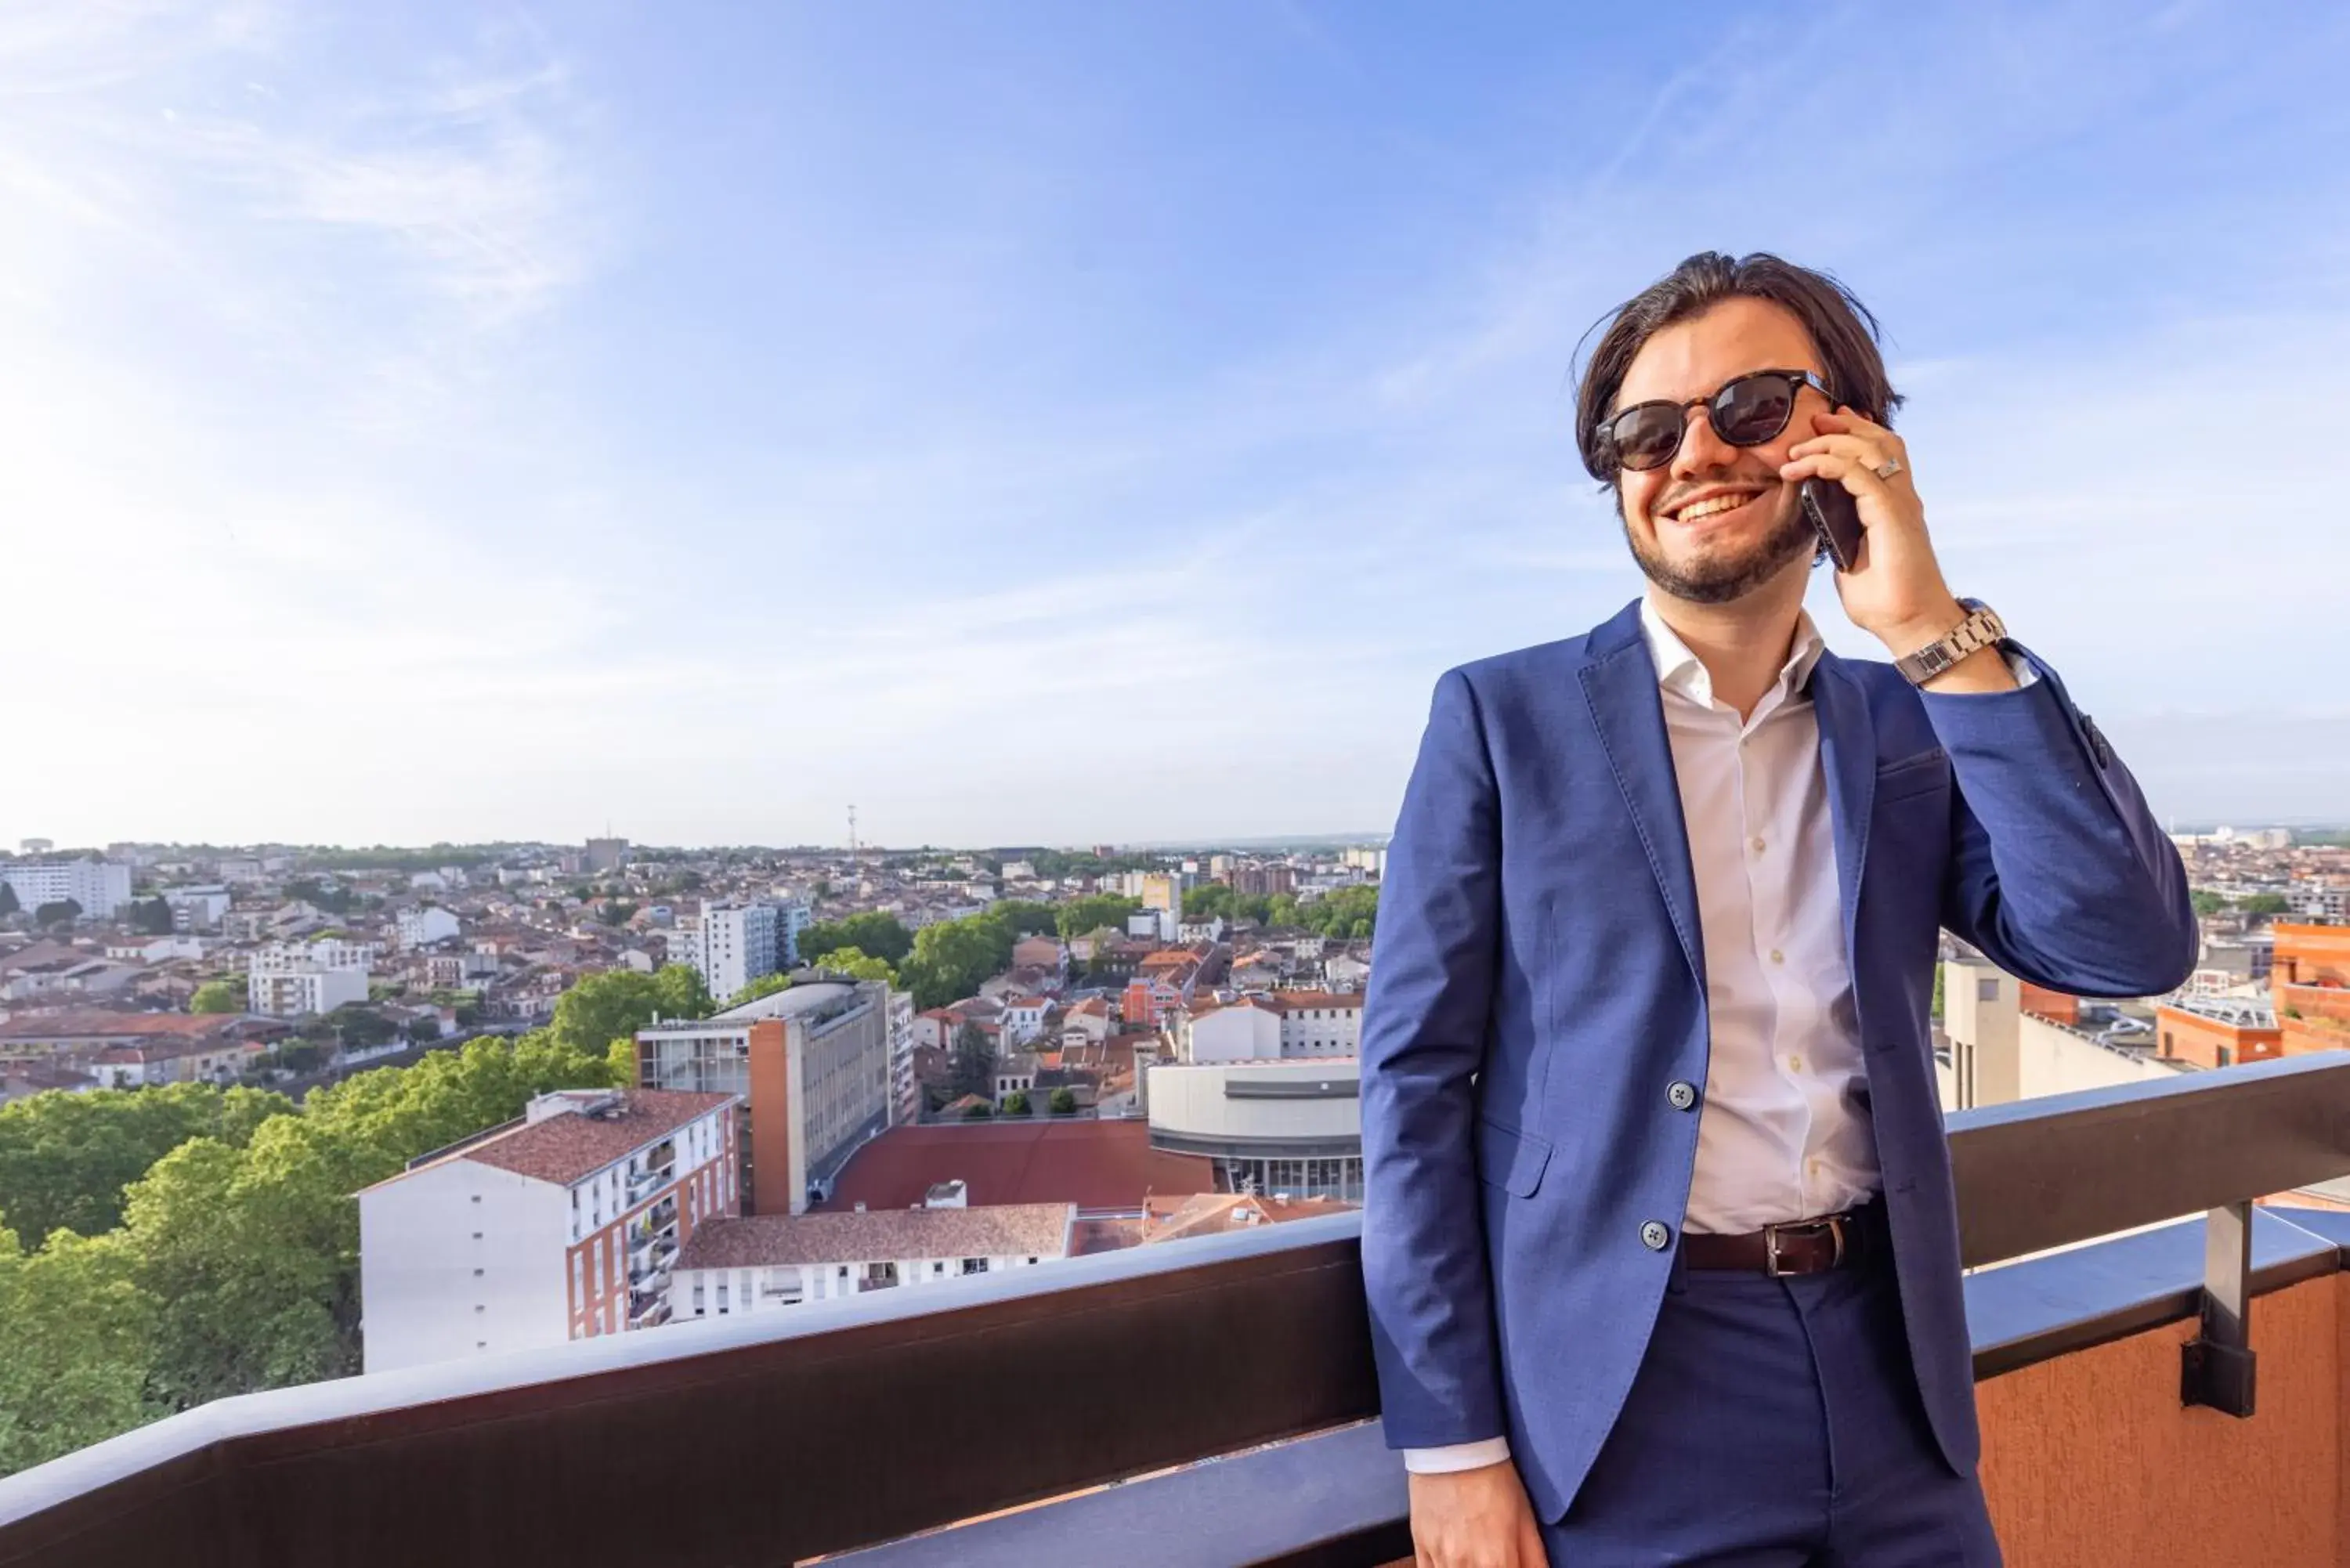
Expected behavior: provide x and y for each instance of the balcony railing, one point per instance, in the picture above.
(1227, 1383)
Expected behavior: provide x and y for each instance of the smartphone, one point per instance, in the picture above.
(1836, 518)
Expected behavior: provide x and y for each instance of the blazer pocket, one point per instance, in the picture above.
(1511, 1159)
(1922, 773)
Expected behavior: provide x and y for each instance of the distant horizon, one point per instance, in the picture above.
(1255, 842)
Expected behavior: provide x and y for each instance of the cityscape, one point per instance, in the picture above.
(363, 1110)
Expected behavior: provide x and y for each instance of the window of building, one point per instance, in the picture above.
(1987, 990)
(2225, 1055)
(722, 1298)
(974, 1265)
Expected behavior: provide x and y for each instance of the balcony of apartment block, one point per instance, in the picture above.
(2153, 1390)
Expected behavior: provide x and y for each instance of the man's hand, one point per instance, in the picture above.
(1896, 590)
(1474, 1518)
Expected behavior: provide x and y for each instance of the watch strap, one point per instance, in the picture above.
(1981, 629)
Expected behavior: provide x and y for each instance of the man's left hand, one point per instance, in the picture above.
(1895, 591)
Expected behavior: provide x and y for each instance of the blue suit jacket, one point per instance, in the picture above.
(1537, 984)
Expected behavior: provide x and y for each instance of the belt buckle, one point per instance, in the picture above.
(1834, 1223)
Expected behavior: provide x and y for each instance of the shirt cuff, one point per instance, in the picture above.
(1456, 1457)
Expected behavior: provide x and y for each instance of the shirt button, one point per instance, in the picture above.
(1682, 1095)
(1758, 844)
(1778, 956)
(1795, 1063)
(1655, 1235)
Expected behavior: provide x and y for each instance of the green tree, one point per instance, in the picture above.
(77, 1341)
(66, 1159)
(614, 1005)
(620, 912)
(8, 905)
(971, 1070)
(977, 1111)
(858, 965)
(2207, 902)
(1079, 916)
(1208, 901)
(620, 1064)
(152, 917)
(62, 912)
(876, 932)
(362, 1027)
(1025, 917)
(1338, 912)
(1063, 1102)
(2266, 904)
(218, 996)
(1015, 1104)
(950, 959)
(424, 1029)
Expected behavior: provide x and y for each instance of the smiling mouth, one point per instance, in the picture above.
(1712, 507)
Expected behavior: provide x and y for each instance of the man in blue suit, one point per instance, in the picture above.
(1660, 1239)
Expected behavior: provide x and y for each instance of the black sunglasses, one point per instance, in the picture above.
(1747, 410)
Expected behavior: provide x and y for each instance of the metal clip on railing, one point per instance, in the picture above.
(2216, 1368)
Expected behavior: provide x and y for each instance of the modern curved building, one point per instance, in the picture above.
(1276, 1128)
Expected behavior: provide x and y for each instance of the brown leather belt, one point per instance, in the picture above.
(1793, 1247)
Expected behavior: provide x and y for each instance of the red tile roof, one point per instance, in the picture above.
(94, 1024)
(564, 1147)
(1092, 1164)
(769, 1240)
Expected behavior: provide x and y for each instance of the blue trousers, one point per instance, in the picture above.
(1776, 1423)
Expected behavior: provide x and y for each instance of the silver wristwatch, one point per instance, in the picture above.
(1980, 629)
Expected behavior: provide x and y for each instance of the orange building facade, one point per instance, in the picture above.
(2310, 982)
(2184, 1036)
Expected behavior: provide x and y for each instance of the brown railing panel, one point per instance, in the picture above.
(2044, 1173)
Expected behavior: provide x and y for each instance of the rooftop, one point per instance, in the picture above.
(100, 1023)
(569, 1145)
(879, 1235)
(1092, 1164)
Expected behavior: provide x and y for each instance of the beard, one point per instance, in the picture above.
(1717, 577)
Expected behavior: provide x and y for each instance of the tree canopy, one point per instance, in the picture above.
(247, 1226)
(615, 1004)
(218, 996)
(877, 933)
(1078, 915)
(60, 912)
(65, 1160)
(858, 965)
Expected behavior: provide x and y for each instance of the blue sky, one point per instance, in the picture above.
(1067, 423)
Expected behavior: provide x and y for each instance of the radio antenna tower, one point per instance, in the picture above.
(852, 833)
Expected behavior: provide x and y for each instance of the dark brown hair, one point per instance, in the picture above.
(1841, 328)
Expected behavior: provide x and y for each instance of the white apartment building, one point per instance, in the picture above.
(1283, 1025)
(196, 909)
(734, 944)
(813, 1067)
(287, 980)
(422, 925)
(768, 1261)
(905, 1089)
(562, 1225)
(101, 887)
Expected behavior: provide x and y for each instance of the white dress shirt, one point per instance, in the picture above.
(1781, 1136)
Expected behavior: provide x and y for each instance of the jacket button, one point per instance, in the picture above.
(1683, 1094)
(1655, 1234)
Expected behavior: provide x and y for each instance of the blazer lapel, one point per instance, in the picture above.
(1848, 756)
(1621, 686)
